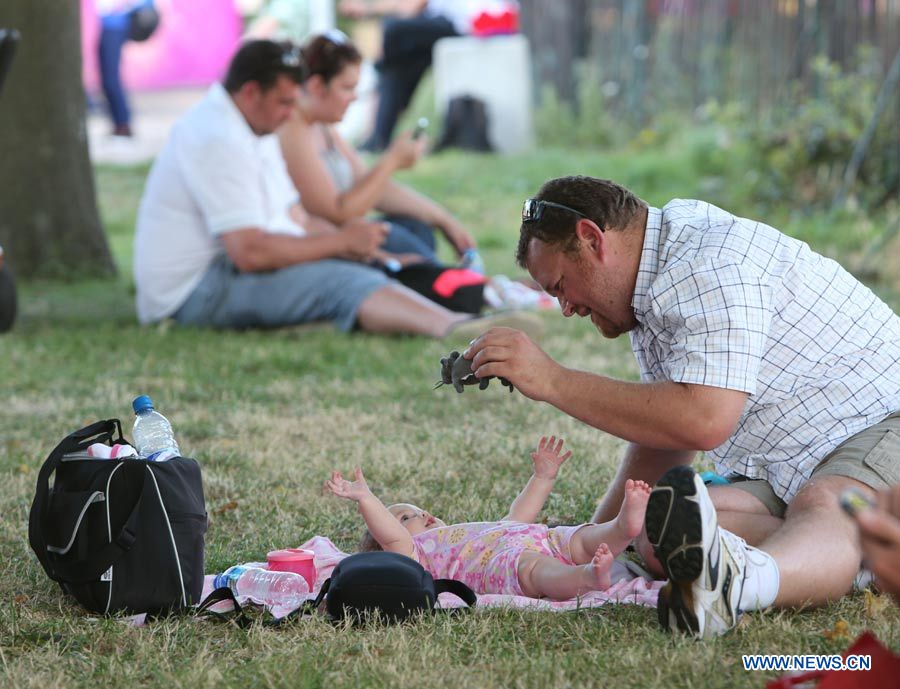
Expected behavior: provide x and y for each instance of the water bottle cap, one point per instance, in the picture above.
(141, 403)
(230, 575)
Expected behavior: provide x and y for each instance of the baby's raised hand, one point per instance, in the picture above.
(548, 457)
(351, 490)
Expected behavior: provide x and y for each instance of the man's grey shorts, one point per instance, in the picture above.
(872, 457)
(328, 290)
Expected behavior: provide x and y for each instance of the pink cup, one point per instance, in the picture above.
(294, 560)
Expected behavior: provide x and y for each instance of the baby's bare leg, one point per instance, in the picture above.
(619, 532)
(541, 576)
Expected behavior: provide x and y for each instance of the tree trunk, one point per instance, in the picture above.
(49, 224)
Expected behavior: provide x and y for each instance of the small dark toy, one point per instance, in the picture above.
(457, 371)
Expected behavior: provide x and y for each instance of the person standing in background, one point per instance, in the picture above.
(411, 29)
(120, 21)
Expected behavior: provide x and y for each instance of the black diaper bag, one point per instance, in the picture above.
(390, 585)
(119, 535)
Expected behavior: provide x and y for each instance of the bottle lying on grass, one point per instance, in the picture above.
(281, 589)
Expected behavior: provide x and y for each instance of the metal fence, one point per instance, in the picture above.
(650, 57)
(649, 54)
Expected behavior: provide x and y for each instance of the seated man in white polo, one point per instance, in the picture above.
(222, 240)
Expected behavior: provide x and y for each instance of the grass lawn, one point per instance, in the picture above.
(269, 414)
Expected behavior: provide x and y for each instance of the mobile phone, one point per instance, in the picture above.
(854, 501)
(421, 127)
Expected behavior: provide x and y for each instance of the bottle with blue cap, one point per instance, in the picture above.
(472, 260)
(283, 589)
(152, 432)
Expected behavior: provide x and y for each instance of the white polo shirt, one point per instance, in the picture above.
(732, 303)
(213, 176)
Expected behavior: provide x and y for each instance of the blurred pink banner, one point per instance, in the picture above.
(192, 46)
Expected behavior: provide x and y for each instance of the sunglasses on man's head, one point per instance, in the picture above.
(533, 209)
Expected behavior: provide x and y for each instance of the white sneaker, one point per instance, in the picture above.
(705, 564)
(502, 293)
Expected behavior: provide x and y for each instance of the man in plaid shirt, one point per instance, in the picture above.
(772, 359)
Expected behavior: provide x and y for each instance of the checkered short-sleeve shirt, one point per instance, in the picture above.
(732, 303)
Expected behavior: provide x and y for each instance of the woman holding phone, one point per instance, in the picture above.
(332, 179)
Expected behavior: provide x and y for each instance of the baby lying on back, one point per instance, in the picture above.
(514, 555)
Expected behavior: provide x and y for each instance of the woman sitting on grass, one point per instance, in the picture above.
(511, 556)
(332, 179)
(336, 184)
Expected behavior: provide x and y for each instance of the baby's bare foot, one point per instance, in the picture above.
(599, 568)
(630, 519)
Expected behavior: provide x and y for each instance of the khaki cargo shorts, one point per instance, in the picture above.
(872, 457)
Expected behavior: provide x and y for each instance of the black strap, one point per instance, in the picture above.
(322, 592)
(308, 607)
(242, 620)
(79, 440)
(109, 432)
(77, 572)
(458, 589)
(235, 615)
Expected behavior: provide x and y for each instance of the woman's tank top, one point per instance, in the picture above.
(338, 166)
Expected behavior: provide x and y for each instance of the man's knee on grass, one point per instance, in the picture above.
(823, 495)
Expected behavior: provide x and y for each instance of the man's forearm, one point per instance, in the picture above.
(665, 415)
(264, 251)
(316, 225)
(529, 503)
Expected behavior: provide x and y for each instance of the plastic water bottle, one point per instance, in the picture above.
(152, 433)
(281, 589)
(472, 260)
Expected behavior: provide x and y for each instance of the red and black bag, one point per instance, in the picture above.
(457, 289)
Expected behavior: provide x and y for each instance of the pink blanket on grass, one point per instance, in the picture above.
(627, 587)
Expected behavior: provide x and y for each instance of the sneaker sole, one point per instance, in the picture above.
(675, 525)
(675, 530)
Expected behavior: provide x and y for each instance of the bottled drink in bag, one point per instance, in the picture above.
(152, 433)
